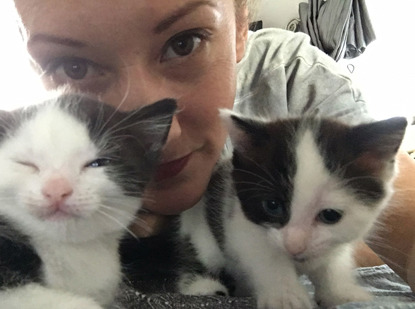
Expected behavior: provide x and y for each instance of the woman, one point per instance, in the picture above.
(130, 53)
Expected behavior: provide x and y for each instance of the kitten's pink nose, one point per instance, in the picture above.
(295, 241)
(56, 190)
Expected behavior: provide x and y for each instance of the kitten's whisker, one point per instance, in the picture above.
(143, 224)
(127, 91)
(116, 127)
(255, 190)
(150, 122)
(258, 195)
(380, 244)
(121, 212)
(265, 170)
(124, 98)
(261, 181)
(348, 180)
(258, 176)
(148, 200)
(390, 262)
(118, 222)
(257, 185)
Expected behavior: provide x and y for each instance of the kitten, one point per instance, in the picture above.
(73, 172)
(304, 192)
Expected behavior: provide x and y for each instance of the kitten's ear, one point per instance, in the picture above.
(243, 132)
(381, 138)
(151, 123)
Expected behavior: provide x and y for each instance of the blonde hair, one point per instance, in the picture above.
(250, 5)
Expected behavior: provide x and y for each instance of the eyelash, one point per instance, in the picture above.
(63, 70)
(58, 63)
(197, 33)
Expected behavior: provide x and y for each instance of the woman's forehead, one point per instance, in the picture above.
(45, 10)
(86, 19)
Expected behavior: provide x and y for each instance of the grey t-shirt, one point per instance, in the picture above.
(283, 75)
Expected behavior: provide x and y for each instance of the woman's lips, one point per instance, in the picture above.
(172, 168)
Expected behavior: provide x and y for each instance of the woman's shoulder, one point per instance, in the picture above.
(277, 39)
(271, 48)
(289, 76)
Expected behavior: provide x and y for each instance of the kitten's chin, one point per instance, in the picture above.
(64, 228)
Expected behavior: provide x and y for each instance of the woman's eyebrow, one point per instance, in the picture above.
(41, 37)
(179, 13)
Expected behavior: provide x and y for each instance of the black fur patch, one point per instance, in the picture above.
(265, 170)
(361, 155)
(19, 263)
(220, 186)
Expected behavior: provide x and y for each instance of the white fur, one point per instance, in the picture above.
(269, 273)
(195, 227)
(201, 285)
(90, 268)
(316, 189)
(34, 296)
(79, 252)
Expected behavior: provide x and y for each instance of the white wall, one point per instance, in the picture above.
(278, 13)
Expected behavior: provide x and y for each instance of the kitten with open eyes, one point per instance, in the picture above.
(301, 193)
(73, 172)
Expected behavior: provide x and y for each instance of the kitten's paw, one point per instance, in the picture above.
(327, 299)
(285, 299)
(201, 285)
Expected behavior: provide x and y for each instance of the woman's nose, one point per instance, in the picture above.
(175, 130)
(140, 86)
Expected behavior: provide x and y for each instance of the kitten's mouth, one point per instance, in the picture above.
(56, 215)
(300, 259)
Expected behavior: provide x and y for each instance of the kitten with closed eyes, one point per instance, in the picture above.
(298, 196)
(73, 172)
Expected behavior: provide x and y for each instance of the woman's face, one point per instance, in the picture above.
(131, 53)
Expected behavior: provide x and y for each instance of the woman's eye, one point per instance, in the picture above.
(69, 70)
(183, 45)
(330, 216)
(75, 69)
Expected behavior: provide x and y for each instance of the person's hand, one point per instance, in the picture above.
(148, 224)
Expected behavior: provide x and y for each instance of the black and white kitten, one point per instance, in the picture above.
(304, 192)
(73, 172)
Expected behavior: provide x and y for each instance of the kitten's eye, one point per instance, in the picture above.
(99, 163)
(183, 44)
(274, 209)
(29, 165)
(330, 216)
